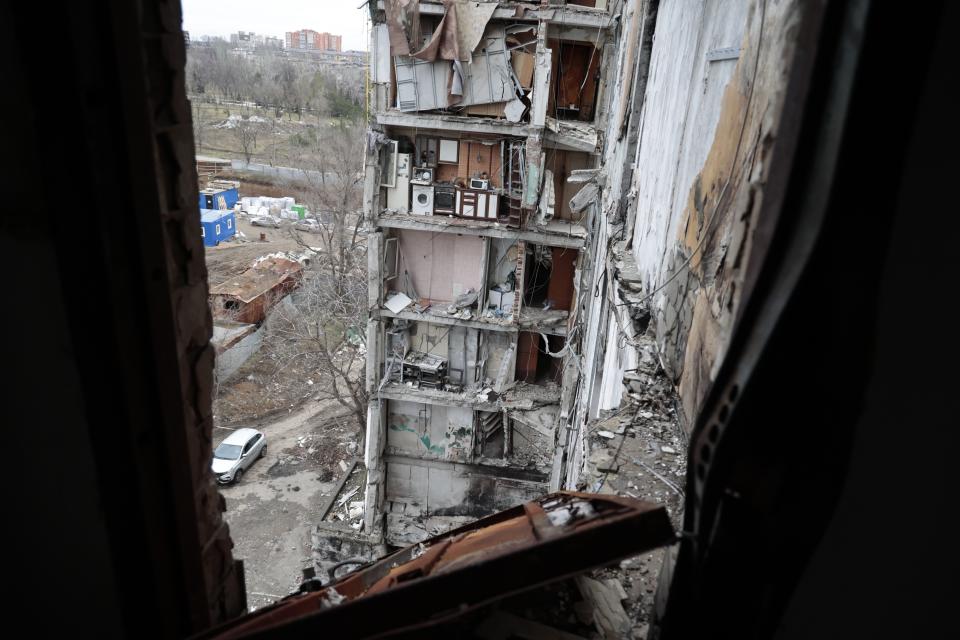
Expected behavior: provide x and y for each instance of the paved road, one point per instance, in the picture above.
(271, 511)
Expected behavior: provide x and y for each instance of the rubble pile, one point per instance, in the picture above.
(639, 451)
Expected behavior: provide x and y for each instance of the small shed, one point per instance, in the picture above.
(248, 296)
(219, 197)
(217, 226)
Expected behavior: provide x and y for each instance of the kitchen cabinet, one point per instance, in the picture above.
(474, 203)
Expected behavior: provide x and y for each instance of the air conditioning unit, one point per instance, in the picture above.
(477, 183)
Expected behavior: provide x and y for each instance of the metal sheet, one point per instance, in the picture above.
(489, 77)
(421, 85)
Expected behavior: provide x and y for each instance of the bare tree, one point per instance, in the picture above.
(332, 179)
(246, 133)
(321, 328)
(199, 124)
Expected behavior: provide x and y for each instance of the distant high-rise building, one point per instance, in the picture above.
(309, 40)
(250, 40)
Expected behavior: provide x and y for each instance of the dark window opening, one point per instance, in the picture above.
(538, 268)
(574, 79)
(534, 364)
(490, 435)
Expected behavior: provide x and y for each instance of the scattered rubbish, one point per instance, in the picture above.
(342, 501)
(606, 434)
(667, 449)
(355, 510)
(662, 479)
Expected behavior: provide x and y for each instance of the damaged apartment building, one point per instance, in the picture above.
(560, 197)
(486, 125)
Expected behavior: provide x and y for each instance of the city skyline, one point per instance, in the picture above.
(220, 19)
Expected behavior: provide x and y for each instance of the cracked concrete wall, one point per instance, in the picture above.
(707, 125)
(680, 182)
(132, 364)
(430, 431)
(684, 199)
(421, 487)
(172, 132)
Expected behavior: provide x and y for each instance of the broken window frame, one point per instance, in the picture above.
(390, 274)
(388, 164)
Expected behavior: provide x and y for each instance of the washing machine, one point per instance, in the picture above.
(422, 204)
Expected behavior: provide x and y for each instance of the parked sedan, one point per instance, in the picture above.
(265, 221)
(236, 453)
(309, 224)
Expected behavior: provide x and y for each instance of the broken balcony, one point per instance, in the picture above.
(447, 465)
(479, 185)
(502, 63)
(494, 284)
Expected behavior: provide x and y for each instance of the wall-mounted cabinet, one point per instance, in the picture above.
(432, 151)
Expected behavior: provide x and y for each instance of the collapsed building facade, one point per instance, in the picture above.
(542, 181)
(474, 278)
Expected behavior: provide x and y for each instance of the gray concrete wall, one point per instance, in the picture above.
(682, 176)
(233, 358)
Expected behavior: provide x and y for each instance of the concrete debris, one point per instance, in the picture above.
(344, 499)
(514, 110)
(355, 510)
(604, 460)
(606, 599)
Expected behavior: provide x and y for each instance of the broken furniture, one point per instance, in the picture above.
(424, 369)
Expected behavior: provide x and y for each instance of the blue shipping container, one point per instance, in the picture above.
(216, 226)
(218, 198)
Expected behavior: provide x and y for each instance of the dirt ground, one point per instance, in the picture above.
(272, 510)
(230, 258)
(285, 140)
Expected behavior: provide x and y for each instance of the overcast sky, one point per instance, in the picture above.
(276, 17)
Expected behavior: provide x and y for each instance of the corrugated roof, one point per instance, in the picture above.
(256, 281)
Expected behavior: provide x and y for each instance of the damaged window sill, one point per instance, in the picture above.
(549, 321)
(556, 233)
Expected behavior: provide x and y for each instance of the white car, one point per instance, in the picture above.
(236, 453)
(265, 221)
(308, 224)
